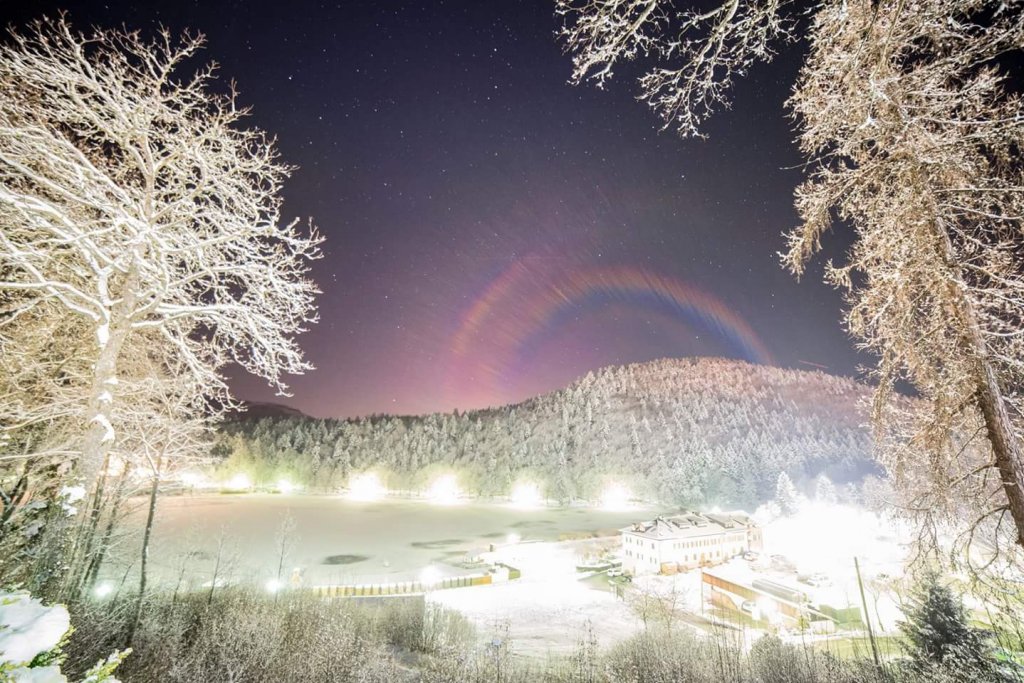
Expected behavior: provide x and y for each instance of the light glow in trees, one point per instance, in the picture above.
(616, 496)
(239, 482)
(445, 491)
(699, 52)
(365, 487)
(526, 495)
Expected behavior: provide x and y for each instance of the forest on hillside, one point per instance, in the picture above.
(687, 432)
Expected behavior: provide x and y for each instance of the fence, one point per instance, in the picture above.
(415, 587)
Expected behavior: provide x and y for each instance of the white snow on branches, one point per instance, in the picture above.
(28, 628)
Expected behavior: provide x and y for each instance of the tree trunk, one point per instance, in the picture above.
(99, 552)
(100, 434)
(216, 569)
(989, 395)
(137, 613)
(110, 335)
(1004, 447)
(78, 553)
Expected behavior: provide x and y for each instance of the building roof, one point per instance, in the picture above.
(689, 525)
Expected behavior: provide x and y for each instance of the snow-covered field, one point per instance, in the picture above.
(549, 609)
(335, 540)
(824, 538)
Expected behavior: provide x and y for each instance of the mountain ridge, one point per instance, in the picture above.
(689, 431)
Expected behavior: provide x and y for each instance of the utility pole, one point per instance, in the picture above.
(867, 618)
(702, 592)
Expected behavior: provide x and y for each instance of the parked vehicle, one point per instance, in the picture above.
(817, 579)
(782, 563)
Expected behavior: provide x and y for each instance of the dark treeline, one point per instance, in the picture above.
(685, 432)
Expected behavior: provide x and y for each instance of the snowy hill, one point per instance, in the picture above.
(683, 431)
(259, 409)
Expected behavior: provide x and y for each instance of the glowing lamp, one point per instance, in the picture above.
(102, 590)
(430, 576)
(444, 491)
(273, 585)
(239, 482)
(365, 487)
(615, 497)
(526, 495)
(286, 487)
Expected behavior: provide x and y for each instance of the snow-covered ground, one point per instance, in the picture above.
(389, 540)
(824, 538)
(549, 609)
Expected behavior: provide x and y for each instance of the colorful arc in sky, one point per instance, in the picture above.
(521, 308)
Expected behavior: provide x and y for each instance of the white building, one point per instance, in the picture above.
(687, 541)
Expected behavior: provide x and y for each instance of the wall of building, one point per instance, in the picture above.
(642, 555)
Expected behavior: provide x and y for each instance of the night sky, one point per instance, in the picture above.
(493, 232)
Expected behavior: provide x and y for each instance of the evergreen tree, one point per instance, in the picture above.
(825, 491)
(939, 638)
(786, 495)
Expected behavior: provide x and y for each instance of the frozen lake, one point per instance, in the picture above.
(335, 540)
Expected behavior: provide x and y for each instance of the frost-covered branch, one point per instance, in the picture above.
(696, 53)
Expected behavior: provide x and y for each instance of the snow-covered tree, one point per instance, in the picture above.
(825, 490)
(940, 639)
(786, 495)
(916, 144)
(132, 198)
(913, 141)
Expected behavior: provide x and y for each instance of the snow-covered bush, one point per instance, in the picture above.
(31, 634)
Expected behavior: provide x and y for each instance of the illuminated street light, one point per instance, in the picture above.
(430, 576)
(615, 497)
(239, 482)
(286, 487)
(365, 487)
(526, 495)
(273, 585)
(444, 491)
(102, 590)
